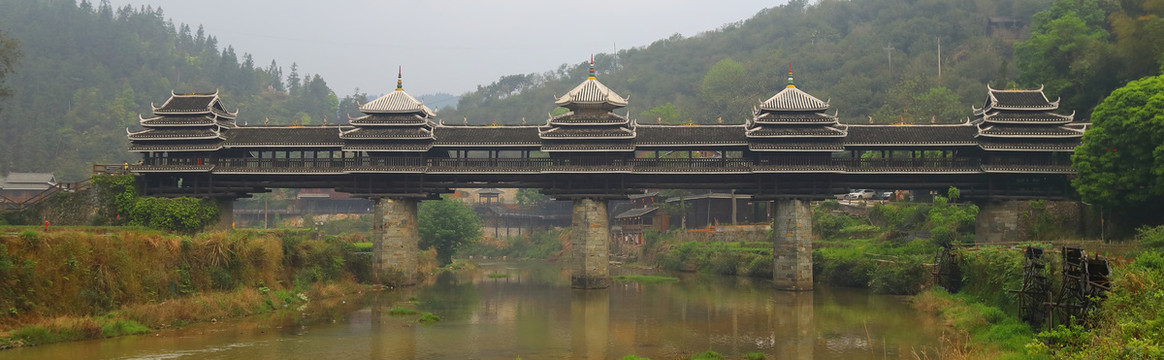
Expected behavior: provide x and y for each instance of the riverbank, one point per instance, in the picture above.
(890, 250)
(70, 284)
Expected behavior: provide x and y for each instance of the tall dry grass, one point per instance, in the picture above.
(44, 275)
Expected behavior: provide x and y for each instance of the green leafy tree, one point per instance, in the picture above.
(446, 225)
(723, 88)
(1068, 52)
(666, 113)
(529, 197)
(9, 53)
(1121, 160)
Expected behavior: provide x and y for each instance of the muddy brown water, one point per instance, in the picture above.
(532, 313)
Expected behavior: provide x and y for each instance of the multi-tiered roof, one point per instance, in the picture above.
(591, 124)
(395, 122)
(793, 120)
(186, 122)
(1024, 120)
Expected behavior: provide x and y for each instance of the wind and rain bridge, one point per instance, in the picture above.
(792, 151)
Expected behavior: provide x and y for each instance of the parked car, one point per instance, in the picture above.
(886, 195)
(861, 194)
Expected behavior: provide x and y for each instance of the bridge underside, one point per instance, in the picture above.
(613, 185)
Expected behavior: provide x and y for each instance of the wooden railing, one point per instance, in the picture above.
(542, 163)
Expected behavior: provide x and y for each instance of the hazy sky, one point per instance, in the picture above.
(443, 46)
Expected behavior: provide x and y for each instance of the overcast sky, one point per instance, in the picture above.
(443, 46)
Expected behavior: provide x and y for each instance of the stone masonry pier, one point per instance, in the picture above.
(395, 241)
(590, 239)
(792, 245)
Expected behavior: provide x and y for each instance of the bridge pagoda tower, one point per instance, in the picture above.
(392, 136)
(589, 145)
(791, 133)
(1027, 146)
(179, 144)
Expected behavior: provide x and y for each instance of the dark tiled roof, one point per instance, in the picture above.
(409, 146)
(176, 146)
(171, 133)
(587, 146)
(1066, 145)
(390, 119)
(798, 117)
(794, 131)
(793, 99)
(180, 120)
(586, 132)
(1026, 117)
(193, 104)
(822, 145)
(388, 133)
(911, 135)
(171, 168)
(1028, 131)
(1019, 99)
(683, 135)
(1029, 169)
(284, 136)
(486, 135)
(601, 118)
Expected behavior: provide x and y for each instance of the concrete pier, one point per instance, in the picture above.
(792, 246)
(395, 241)
(590, 239)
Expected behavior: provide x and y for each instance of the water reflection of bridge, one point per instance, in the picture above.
(791, 151)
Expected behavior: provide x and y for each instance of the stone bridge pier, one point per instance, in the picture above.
(590, 239)
(792, 245)
(395, 241)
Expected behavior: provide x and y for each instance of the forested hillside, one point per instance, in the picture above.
(86, 71)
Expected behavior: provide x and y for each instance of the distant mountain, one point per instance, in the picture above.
(439, 100)
(873, 58)
(87, 72)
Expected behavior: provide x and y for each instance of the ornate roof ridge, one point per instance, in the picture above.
(590, 92)
(993, 102)
(213, 99)
(792, 99)
(396, 102)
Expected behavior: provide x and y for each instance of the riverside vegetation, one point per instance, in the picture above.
(888, 251)
(84, 283)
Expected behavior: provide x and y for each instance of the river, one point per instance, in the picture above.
(529, 311)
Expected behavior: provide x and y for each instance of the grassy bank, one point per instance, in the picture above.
(67, 285)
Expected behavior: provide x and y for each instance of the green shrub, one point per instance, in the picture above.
(401, 311)
(123, 327)
(724, 263)
(1151, 237)
(848, 267)
(904, 276)
(428, 318)
(707, 355)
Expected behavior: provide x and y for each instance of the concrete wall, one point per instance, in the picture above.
(1016, 221)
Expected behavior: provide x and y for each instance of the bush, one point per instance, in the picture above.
(1151, 237)
(846, 267)
(904, 276)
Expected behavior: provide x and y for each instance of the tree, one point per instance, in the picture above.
(9, 52)
(723, 88)
(446, 225)
(1121, 160)
(529, 197)
(666, 113)
(1067, 53)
